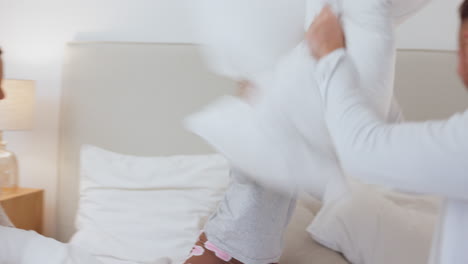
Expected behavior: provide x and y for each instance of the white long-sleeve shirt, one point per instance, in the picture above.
(429, 157)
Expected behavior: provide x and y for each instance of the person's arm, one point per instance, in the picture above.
(430, 157)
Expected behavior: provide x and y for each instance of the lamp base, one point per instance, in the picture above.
(8, 168)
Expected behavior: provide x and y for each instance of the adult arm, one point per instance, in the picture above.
(429, 157)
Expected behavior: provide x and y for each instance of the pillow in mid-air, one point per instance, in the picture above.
(280, 138)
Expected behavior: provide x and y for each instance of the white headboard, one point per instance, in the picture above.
(131, 98)
(427, 85)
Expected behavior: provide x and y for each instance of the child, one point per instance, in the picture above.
(249, 225)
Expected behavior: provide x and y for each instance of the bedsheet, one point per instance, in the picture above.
(27, 247)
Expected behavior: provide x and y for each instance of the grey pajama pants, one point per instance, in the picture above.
(250, 221)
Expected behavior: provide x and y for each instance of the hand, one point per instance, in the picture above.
(325, 35)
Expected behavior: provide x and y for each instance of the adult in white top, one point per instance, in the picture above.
(429, 157)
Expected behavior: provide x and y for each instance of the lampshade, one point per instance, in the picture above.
(16, 111)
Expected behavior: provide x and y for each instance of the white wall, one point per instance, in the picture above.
(33, 34)
(435, 27)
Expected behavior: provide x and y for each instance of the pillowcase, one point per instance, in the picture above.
(300, 248)
(377, 226)
(281, 138)
(244, 37)
(141, 209)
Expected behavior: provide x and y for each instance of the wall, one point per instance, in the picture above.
(33, 34)
(435, 27)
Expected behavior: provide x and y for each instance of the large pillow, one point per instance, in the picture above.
(300, 247)
(377, 226)
(240, 37)
(140, 209)
(282, 133)
(243, 37)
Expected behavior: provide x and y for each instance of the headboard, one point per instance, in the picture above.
(131, 98)
(427, 85)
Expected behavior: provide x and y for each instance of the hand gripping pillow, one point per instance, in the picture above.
(281, 138)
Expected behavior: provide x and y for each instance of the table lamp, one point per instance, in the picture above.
(16, 113)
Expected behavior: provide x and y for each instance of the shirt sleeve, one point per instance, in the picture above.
(428, 157)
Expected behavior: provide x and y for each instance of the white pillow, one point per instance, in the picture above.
(244, 37)
(241, 37)
(140, 209)
(300, 248)
(281, 138)
(373, 226)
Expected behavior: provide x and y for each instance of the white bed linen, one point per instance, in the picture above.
(377, 226)
(27, 247)
(22, 247)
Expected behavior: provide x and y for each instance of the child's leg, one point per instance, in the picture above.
(205, 252)
(250, 221)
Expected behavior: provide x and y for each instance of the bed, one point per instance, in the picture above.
(131, 97)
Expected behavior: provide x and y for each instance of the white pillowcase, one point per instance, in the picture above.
(281, 139)
(373, 226)
(244, 37)
(140, 209)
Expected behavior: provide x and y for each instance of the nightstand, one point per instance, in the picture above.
(24, 207)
